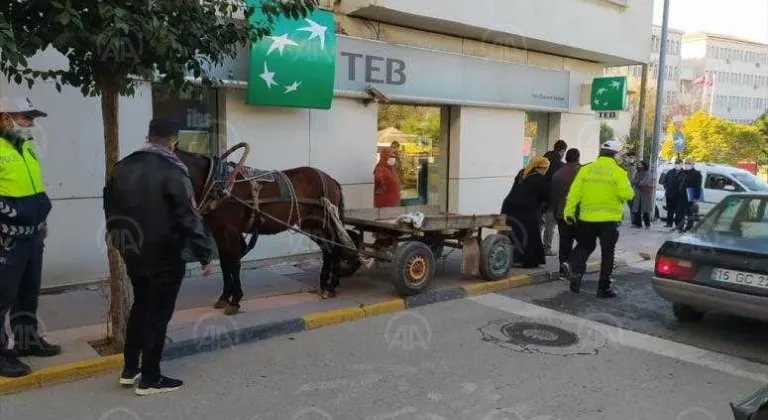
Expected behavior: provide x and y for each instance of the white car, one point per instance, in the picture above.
(718, 181)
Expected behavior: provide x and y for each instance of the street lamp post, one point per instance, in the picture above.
(658, 118)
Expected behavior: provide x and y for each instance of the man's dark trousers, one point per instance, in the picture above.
(567, 237)
(587, 234)
(671, 209)
(684, 220)
(20, 279)
(154, 300)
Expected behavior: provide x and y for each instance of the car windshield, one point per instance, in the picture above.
(737, 216)
(750, 181)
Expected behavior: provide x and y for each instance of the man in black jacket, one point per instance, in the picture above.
(672, 191)
(151, 218)
(690, 191)
(555, 157)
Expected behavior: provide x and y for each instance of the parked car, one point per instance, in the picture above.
(721, 264)
(718, 181)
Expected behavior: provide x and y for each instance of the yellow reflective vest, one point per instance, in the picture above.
(20, 174)
(24, 205)
(599, 192)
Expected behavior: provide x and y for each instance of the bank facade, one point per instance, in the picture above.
(506, 80)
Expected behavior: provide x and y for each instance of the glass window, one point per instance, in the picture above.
(196, 113)
(750, 181)
(721, 182)
(736, 216)
(422, 162)
(536, 135)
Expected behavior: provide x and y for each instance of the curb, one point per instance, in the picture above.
(230, 338)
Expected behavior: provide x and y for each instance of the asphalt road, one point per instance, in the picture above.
(456, 360)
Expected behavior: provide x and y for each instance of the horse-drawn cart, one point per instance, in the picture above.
(413, 238)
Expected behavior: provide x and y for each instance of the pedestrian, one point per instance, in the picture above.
(386, 189)
(523, 208)
(629, 163)
(555, 157)
(561, 183)
(598, 192)
(149, 198)
(689, 194)
(642, 203)
(671, 184)
(24, 209)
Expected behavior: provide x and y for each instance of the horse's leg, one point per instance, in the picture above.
(325, 273)
(335, 264)
(236, 290)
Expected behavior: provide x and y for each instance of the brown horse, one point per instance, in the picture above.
(302, 199)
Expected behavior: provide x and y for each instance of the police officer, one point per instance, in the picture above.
(595, 204)
(24, 208)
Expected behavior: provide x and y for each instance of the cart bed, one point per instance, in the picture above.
(435, 220)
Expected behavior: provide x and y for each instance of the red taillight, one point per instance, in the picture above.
(674, 268)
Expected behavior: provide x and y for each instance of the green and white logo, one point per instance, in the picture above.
(295, 66)
(609, 94)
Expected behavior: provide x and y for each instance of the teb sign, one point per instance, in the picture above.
(609, 94)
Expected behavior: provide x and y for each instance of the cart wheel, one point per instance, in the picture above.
(495, 257)
(414, 268)
(350, 261)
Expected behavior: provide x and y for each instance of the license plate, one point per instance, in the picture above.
(740, 277)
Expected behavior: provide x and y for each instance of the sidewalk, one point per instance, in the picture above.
(277, 299)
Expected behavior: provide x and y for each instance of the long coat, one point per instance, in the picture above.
(523, 207)
(642, 183)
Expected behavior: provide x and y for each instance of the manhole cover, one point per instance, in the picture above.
(539, 334)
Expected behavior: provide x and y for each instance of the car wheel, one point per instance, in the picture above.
(686, 313)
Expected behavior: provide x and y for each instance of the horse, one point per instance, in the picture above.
(303, 199)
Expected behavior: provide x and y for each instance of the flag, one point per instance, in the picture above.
(295, 65)
(703, 80)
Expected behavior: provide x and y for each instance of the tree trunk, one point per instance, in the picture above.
(119, 292)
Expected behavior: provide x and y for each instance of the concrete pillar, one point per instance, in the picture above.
(485, 154)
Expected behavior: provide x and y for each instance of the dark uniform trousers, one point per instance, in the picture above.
(154, 300)
(21, 265)
(567, 237)
(587, 234)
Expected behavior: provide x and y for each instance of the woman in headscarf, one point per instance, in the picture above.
(523, 207)
(642, 205)
(386, 189)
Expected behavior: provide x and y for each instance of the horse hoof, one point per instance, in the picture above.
(327, 294)
(232, 310)
(220, 304)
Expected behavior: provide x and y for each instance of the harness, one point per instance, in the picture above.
(223, 176)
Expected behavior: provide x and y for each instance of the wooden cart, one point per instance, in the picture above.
(413, 250)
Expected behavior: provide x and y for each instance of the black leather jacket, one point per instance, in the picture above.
(148, 205)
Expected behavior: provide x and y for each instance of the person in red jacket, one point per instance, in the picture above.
(386, 190)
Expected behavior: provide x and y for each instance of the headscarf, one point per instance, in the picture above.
(538, 164)
(384, 156)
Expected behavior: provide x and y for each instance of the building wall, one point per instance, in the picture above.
(341, 141)
(485, 149)
(566, 23)
(72, 155)
(739, 70)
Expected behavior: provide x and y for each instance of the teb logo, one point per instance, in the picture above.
(213, 331)
(407, 331)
